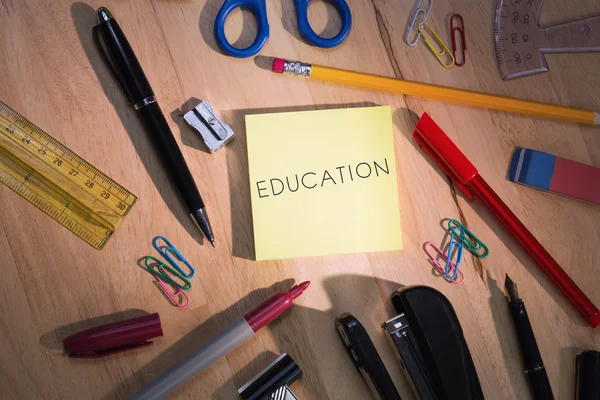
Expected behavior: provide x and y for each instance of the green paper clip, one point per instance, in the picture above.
(160, 271)
(469, 240)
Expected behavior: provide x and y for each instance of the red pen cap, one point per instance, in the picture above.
(117, 337)
(439, 146)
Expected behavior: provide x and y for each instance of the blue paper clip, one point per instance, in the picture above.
(449, 268)
(171, 248)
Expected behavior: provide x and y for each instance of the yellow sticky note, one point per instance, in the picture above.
(323, 182)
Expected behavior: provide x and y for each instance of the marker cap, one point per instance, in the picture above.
(117, 337)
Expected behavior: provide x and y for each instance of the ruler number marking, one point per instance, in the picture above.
(50, 210)
(67, 168)
(519, 12)
(63, 160)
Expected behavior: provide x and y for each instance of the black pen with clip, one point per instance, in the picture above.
(122, 61)
(534, 367)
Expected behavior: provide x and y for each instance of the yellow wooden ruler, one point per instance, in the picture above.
(59, 182)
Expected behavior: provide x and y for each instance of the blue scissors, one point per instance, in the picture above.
(259, 8)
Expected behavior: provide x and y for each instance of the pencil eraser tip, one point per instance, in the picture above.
(278, 65)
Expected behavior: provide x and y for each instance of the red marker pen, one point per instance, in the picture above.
(220, 345)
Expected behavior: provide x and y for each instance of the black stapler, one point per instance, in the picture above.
(428, 339)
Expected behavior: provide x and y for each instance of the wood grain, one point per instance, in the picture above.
(53, 284)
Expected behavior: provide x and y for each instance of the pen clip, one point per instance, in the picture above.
(107, 59)
(442, 165)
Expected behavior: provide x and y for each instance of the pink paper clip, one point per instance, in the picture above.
(457, 280)
(174, 296)
(460, 27)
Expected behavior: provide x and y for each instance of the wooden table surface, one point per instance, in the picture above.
(53, 284)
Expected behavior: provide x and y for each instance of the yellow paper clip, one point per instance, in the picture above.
(444, 50)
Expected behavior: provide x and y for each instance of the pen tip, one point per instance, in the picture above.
(299, 289)
(214, 245)
(511, 289)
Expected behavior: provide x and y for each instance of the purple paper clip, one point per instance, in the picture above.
(451, 264)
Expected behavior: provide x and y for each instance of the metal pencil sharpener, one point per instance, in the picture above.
(214, 132)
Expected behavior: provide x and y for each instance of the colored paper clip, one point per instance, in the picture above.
(469, 240)
(174, 296)
(449, 272)
(439, 54)
(458, 27)
(160, 271)
(409, 32)
(443, 256)
(171, 248)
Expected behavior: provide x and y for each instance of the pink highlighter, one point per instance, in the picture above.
(556, 174)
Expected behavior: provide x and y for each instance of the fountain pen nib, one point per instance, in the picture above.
(511, 289)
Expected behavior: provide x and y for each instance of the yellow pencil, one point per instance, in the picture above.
(444, 93)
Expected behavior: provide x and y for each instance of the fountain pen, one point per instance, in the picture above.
(123, 63)
(534, 367)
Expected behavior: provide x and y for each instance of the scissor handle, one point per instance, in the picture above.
(259, 9)
(310, 35)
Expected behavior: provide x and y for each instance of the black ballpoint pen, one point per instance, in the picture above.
(124, 64)
(534, 367)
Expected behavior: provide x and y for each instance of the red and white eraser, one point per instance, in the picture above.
(278, 64)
